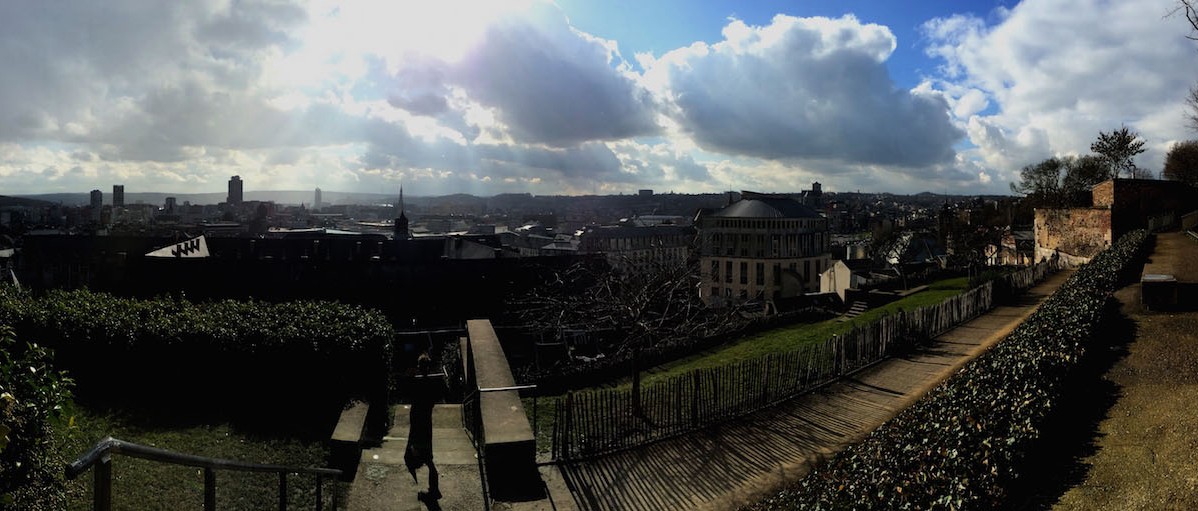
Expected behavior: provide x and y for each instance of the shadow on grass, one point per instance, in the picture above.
(1056, 462)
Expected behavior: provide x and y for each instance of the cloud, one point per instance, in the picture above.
(547, 82)
(1058, 72)
(805, 88)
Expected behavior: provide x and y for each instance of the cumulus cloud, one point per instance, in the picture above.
(809, 88)
(1058, 72)
(549, 83)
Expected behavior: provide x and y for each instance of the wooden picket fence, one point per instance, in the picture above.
(595, 422)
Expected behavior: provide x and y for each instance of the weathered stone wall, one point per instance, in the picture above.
(1103, 194)
(1078, 233)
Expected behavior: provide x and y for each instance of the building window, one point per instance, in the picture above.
(715, 271)
(760, 270)
(715, 291)
(744, 273)
(806, 270)
(728, 271)
(777, 274)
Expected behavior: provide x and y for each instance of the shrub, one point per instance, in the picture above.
(31, 393)
(961, 445)
(241, 356)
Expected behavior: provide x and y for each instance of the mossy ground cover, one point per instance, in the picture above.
(965, 444)
(144, 484)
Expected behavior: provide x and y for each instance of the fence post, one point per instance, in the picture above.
(209, 489)
(569, 429)
(102, 493)
(320, 492)
(694, 398)
(282, 491)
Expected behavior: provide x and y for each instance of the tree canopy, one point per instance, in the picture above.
(1181, 164)
(1119, 148)
(1060, 182)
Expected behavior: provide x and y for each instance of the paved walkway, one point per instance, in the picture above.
(742, 461)
(383, 482)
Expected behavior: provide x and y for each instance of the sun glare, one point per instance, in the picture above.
(342, 37)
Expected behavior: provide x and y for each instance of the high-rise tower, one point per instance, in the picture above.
(234, 190)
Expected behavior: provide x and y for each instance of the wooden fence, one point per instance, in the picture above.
(591, 423)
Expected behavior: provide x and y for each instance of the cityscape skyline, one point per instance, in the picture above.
(609, 98)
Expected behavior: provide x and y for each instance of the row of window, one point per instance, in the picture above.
(759, 273)
(776, 245)
(639, 242)
(767, 223)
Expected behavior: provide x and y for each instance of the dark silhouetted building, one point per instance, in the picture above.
(118, 196)
(235, 189)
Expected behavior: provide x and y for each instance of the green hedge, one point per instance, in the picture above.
(295, 357)
(31, 394)
(961, 445)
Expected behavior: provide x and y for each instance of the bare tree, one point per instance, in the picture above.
(645, 306)
(1041, 182)
(1189, 8)
(1181, 164)
(1081, 174)
(1192, 102)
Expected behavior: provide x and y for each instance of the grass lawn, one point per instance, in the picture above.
(789, 337)
(772, 341)
(143, 484)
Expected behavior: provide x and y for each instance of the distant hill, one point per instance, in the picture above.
(6, 201)
(278, 196)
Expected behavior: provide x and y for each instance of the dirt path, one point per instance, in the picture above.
(1144, 452)
(740, 462)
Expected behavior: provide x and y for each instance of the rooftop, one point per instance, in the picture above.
(759, 205)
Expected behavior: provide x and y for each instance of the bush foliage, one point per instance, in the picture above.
(234, 355)
(31, 393)
(961, 446)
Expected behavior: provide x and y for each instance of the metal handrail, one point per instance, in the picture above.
(100, 456)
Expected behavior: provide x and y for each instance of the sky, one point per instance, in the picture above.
(577, 96)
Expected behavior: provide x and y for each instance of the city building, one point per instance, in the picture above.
(631, 247)
(317, 203)
(97, 205)
(814, 198)
(761, 247)
(235, 191)
(118, 196)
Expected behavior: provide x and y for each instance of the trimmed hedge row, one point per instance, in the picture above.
(960, 446)
(235, 355)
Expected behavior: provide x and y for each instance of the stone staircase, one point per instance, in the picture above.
(855, 310)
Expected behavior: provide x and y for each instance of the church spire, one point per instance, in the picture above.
(401, 223)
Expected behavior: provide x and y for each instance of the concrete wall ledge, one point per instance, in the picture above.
(508, 443)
